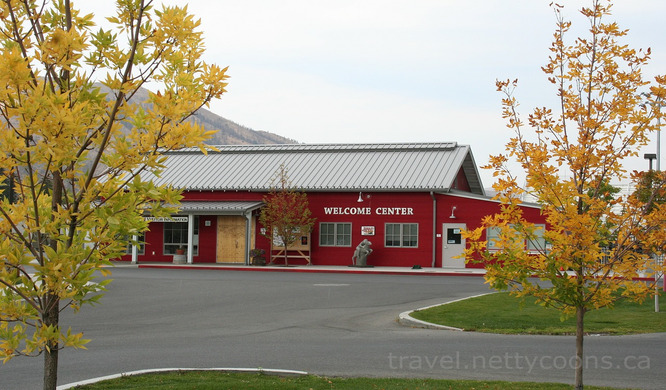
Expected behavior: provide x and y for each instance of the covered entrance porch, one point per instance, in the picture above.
(209, 231)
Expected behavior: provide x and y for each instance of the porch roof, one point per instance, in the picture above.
(218, 207)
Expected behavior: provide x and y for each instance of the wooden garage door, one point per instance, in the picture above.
(230, 239)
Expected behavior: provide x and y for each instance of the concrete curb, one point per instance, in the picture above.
(267, 371)
(307, 269)
(326, 270)
(406, 319)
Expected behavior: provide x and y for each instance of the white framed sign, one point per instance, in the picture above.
(165, 219)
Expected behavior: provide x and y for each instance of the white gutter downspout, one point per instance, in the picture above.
(135, 250)
(434, 228)
(248, 240)
(190, 238)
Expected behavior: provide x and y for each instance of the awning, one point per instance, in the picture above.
(218, 207)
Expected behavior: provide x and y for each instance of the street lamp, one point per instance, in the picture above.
(658, 102)
(658, 155)
(652, 156)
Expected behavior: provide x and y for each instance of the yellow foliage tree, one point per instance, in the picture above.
(595, 245)
(75, 169)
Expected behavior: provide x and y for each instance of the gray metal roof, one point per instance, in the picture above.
(217, 207)
(324, 167)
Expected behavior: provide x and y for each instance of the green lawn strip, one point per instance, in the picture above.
(216, 380)
(502, 313)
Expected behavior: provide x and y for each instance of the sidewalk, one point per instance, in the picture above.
(314, 269)
(326, 269)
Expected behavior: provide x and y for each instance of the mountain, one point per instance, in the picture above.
(230, 133)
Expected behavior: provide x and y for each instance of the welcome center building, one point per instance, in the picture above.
(410, 200)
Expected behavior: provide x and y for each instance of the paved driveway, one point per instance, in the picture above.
(328, 324)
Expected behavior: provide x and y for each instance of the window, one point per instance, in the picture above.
(334, 234)
(538, 242)
(402, 235)
(492, 237)
(175, 236)
(141, 248)
(533, 244)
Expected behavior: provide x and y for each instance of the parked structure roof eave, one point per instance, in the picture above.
(372, 189)
(464, 194)
(218, 207)
(472, 173)
(327, 189)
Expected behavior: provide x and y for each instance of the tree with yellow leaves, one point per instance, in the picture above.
(595, 245)
(74, 168)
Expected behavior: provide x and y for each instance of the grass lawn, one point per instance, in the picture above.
(216, 380)
(502, 313)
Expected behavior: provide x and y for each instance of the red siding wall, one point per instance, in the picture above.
(406, 208)
(376, 210)
(471, 212)
(154, 251)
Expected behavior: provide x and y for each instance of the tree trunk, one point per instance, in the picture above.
(51, 314)
(580, 314)
(286, 254)
(51, 318)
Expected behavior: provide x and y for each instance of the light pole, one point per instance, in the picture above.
(659, 170)
(660, 104)
(658, 144)
(650, 157)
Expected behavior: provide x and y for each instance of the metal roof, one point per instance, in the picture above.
(217, 207)
(323, 167)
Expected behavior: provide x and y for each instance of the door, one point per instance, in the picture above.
(230, 239)
(453, 245)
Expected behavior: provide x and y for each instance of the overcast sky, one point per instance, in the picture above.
(336, 71)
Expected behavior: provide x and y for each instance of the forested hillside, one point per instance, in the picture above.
(228, 132)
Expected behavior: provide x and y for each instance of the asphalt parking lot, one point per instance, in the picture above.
(323, 323)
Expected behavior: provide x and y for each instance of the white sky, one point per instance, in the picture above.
(334, 71)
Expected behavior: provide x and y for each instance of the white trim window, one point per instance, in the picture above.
(534, 244)
(175, 236)
(141, 248)
(401, 235)
(335, 234)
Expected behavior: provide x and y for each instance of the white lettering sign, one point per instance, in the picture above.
(165, 219)
(394, 211)
(347, 210)
(368, 211)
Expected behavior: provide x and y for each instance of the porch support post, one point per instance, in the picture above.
(135, 250)
(248, 239)
(190, 238)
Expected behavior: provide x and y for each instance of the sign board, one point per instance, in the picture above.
(367, 230)
(165, 219)
(299, 249)
(302, 243)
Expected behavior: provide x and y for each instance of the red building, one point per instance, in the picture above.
(409, 200)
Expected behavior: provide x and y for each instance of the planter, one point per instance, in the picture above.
(257, 256)
(179, 259)
(259, 260)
